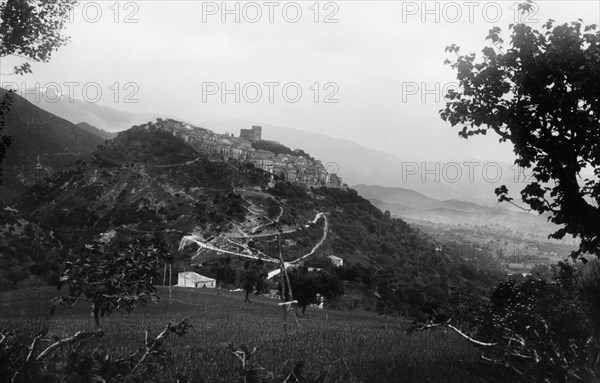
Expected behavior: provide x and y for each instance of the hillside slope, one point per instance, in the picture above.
(147, 182)
(40, 138)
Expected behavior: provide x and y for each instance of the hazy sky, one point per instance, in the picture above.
(173, 58)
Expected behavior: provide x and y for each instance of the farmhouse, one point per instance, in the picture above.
(195, 280)
(337, 261)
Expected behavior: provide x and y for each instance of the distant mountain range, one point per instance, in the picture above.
(416, 207)
(102, 117)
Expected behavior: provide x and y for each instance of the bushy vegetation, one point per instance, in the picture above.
(150, 146)
(543, 329)
(308, 287)
(279, 149)
(110, 278)
(76, 206)
(30, 256)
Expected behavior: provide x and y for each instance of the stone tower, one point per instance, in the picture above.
(254, 134)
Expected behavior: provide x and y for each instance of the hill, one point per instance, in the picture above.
(400, 197)
(147, 182)
(42, 144)
(417, 207)
(356, 164)
(473, 231)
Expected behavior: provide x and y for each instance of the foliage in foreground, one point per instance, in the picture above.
(544, 330)
(309, 287)
(25, 361)
(540, 93)
(112, 277)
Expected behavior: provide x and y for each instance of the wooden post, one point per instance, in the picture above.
(287, 278)
(285, 282)
(282, 281)
(170, 283)
(165, 275)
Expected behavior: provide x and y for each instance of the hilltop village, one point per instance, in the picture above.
(294, 166)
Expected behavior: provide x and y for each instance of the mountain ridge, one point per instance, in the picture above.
(147, 182)
(42, 143)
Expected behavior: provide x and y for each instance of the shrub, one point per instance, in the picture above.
(542, 329)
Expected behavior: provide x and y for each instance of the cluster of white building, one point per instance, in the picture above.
(293, 167)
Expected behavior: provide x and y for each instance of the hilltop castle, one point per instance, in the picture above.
(253, 134)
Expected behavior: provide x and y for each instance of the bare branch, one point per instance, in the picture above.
(79, 336)
(153, 345)
(518, 206)
(451, 327)
(3, 338)
(32, 347)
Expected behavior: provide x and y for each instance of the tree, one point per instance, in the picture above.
(111, 279)
(541, 94)
(307, 286)
(252, 278)
(249, 279)
(31, 30)
(224, 273)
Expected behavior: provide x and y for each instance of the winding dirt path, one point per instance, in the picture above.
(294, 263)
(253, 209)
(189, 239)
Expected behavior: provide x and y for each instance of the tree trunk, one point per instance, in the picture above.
(96, 314)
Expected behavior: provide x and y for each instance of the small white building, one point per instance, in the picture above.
(337, 261)
(195, 280)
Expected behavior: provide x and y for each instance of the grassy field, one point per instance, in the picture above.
(358, 346)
